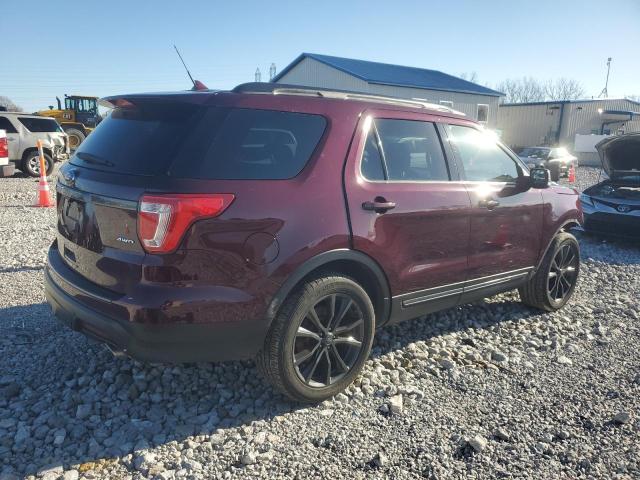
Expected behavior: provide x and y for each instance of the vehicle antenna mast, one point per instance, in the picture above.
(185, 67)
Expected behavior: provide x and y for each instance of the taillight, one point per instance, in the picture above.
(164, 219)
(4, 147)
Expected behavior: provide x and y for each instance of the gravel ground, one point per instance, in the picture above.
(487, 390)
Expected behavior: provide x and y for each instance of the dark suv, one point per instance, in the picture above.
(286, 224)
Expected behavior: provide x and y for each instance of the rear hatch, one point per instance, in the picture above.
(100, 188)
(156, 165)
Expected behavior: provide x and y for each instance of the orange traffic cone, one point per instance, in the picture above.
(572, 173)
(44, 194)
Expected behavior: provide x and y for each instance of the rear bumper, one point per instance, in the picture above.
(151, 342)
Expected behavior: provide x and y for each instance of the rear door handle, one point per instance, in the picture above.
(489, 203)
(379, 205)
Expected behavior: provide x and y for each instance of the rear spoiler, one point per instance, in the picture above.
(130, 99)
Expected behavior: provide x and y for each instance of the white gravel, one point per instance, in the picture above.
(488, 390)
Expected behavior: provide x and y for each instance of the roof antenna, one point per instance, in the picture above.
(197, 84)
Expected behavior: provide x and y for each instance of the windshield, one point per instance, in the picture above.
(534, 152)
(40, 125)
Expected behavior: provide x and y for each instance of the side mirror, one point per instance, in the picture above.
(539, 177)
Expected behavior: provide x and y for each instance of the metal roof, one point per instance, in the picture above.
(395, 75)
(557, 102)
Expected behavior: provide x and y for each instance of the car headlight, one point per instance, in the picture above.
(586, 200)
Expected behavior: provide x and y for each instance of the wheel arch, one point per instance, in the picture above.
(351, 263)
(28, 151)
(564, 227)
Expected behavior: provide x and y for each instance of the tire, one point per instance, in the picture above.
(554, 168)
(31, 164)
(290, 334)
(539, 291)
(76, 137)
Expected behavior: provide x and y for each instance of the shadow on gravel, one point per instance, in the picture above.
(65, 400)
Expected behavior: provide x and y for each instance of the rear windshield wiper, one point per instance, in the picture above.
(87, 157)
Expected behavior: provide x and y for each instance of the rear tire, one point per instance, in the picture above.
(311, 359)
(553, 284)
(76, 137)
(31, 164)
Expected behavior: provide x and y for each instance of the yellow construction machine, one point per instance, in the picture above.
(78, 118)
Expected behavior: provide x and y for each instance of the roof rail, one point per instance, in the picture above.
(282, 89)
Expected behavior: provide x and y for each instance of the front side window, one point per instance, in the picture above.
(411, 151)
(482, 158)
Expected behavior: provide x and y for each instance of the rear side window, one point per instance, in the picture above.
(5, 124)
(254, 144)
(40, 125)
(411, 151)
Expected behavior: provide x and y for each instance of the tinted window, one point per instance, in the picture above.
(412, 150)
(39, 125)
(5, 124)
(482, 158)
(534, 152)
(190, 141)
(253, 144)
(138, 141)
(371, 159)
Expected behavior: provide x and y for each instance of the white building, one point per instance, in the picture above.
(558, 124)
(323, 71)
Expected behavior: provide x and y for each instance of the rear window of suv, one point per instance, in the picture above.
(190, 141)
(40, 125)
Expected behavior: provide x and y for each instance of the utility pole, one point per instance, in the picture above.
(272, 71)
(605, 93)
(258, 75)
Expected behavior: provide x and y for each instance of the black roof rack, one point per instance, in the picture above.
(286, 89)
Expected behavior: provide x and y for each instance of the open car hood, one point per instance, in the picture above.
(620, 154)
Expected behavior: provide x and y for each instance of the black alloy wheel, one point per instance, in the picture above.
(328, 340)
(563, 272)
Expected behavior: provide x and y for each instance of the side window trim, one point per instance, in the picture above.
(383, 159)
(448, 156)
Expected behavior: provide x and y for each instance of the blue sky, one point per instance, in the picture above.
(105, 48)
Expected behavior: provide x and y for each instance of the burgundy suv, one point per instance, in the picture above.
(286, 224)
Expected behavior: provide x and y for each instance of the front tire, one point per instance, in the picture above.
(553, 284)
(319, 340)
(554, 169)
(31, 164)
